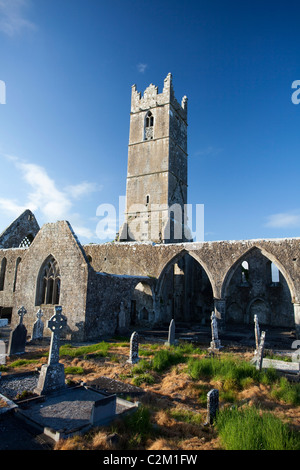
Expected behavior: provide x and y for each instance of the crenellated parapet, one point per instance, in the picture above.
(152, 98)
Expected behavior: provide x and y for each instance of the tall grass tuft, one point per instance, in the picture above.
(249, 429)
(166, 358)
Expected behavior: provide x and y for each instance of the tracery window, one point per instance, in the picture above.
(49, 283)
(149, 123)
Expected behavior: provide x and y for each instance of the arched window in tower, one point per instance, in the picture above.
(48, 288)
(149, 124)
(2, 273)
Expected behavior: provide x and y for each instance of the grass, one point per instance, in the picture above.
(23, 362)
(99, 349)
(74, 370)
(186, 416)
(165, 358)
(233, 373)
(249, 429)
(287, 392)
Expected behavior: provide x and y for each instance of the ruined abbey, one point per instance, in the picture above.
(153, 271)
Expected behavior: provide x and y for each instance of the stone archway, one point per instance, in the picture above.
(249, 285)
(184, 291)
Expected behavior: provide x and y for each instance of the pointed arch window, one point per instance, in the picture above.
(149, 124)
(49, 283)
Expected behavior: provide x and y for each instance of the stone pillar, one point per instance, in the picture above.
(297, 319)
(259, 356)
(220, 311)
(215, 342)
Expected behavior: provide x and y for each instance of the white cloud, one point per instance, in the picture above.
(45, 197)
(78, 190)
(13, 18)
(142, 67)
(284, 220)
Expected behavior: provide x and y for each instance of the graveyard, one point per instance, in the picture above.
(171, 388)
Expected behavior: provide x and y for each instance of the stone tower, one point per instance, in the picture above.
(157, 167)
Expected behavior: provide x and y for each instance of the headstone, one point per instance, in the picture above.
(2, 353)
(17, 340)
(134, 348)
(215, 342)
(52, 375)
(38, 326)
(212, 405)
(257, 332)
(259, 356)
(171, 336)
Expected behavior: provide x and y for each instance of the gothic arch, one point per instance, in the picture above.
(267, 255)
(48, 282)
(175, 259)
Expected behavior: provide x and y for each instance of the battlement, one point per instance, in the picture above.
(152, 98)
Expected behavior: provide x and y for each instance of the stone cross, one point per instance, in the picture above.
(257, 332)
(38, 326)
(134, 349)
(17, 340)
(22, 312)
(56, 323)
(260, 351)
(52, 375)
(212, 405)
(215, 343)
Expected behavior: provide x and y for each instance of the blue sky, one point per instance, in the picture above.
(68, 67)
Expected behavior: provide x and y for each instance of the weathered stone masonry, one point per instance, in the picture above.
(110, 288)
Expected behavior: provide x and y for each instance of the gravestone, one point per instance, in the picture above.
(38, 326)
(134, 348)
(2, 353)
(17, 339)
(212, 405)
(171, 336)
(52, 375)
(257, 332)
(259, 356)
(215, 342)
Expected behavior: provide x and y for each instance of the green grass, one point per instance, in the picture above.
(165, 358)
(144, 378)
(286, 391)
(23, 362)
(74, 370)
(234, 374)
(248, 429)
(99, 349)
(138, 425)
(187, 416)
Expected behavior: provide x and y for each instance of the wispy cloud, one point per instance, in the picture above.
(289, 219)
(141, 67)
(45, 197)
(13, 18)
